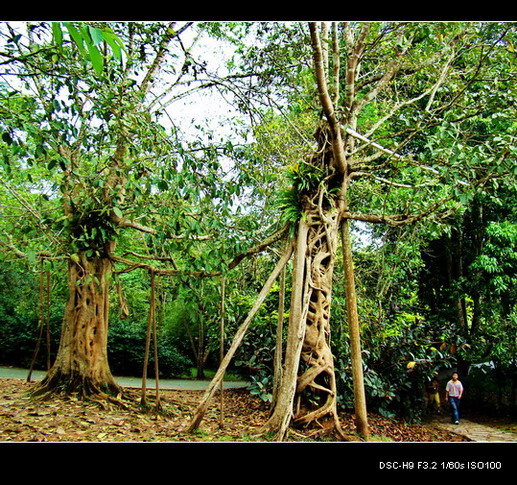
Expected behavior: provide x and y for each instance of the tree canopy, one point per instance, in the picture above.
(132, 195)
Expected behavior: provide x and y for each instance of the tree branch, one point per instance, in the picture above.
(30, 209)
(9, 247)
(123, 222)
(170, 33)
(275, 237)
(262, 246)
(379, 147)
(326, 102)
(132, 265)
(390, 73)
(353, 63)
(401, 219)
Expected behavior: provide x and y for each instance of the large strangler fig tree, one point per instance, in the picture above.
(417, 88)
(399, 104)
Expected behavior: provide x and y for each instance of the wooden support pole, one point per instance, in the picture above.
(41, 323)
(239, 335)
(151, 328)
(155, 341)
(221, 350)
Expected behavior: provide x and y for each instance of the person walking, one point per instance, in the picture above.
(433, 395)
(453, 394)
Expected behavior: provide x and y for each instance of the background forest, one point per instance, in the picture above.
(180, 144)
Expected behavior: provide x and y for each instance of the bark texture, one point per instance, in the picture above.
(361, 415)
(308, 389)
(317, 381)
(81, 364)
(282, 414)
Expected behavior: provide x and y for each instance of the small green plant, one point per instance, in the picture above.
(289, 206)
(302, 178)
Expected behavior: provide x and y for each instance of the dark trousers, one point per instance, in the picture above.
(455, 408)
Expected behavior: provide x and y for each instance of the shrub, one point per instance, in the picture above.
(126, 348)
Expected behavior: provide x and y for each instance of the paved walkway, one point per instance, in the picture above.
(478, 432)
(132, 382)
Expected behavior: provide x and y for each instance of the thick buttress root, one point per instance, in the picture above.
(80, 386)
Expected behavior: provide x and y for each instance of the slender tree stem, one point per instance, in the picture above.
(354, 332)
(239, 335)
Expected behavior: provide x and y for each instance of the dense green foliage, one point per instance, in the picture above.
(19, 318)
(435, 294)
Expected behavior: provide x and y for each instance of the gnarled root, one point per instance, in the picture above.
(318, 377)
(58, 383)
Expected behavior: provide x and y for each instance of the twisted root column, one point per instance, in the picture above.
(318, 375)
(307, 390)
(308, 340)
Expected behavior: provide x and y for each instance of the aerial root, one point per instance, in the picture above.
(316, 352)
(102, 398)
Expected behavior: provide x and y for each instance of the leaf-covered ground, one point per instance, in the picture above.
(23, 419)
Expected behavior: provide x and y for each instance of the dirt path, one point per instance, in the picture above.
(478, 432)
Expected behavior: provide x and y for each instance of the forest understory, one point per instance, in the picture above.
(66, 419)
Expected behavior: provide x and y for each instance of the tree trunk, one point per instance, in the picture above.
(361, 416)
(280, 419)
(308, 388)
(318, 381)
(81, 364)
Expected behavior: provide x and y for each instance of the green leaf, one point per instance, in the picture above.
(114, 42)
(57, 33)
(77, 37)
(96, 58)
(96, 35)
(117, 212)
(163, 185)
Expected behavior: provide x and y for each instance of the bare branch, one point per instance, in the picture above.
(9, 247)
(123, 222)
(326, 102)
(170, 33)
(394, 154)
(336, 60)
(275, 237)
(389, 182)
(132, 265)
(390, 73)
(153, 258)
(402, 219)
(262, 246)
(355, 53)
